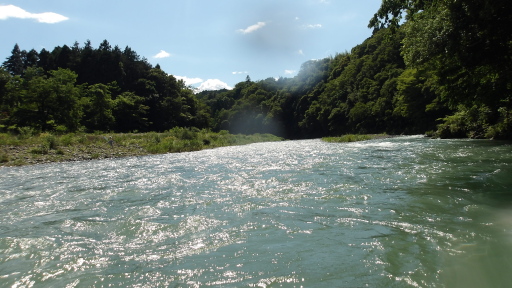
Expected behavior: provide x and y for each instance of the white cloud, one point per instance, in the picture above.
(189, 81)
(208, 85)
(300, 52)
(239, 72)
(252, 28)
(162, 54)
(213, 84)
(312, 26)
(288, 72)
(11, 11)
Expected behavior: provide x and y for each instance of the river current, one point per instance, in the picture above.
(398, 212)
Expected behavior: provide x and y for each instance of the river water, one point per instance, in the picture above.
(399, 212)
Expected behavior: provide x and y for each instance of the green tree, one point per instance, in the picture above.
(5, 107)
(467, 46)
(130, 113)
(14, 63)
(46, 102)
(31, 59)
(35, 99)
(63, 57)
(46, 60)
(65, 110)
(97, 107)
(417, 104)
(5, 78)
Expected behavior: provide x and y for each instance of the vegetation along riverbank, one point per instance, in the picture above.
(32, 148)
(355, 138)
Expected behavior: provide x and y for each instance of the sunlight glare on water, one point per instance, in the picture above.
(398, 212)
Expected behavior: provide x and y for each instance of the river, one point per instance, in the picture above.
(398, 212)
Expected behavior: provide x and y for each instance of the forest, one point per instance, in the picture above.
(441, 68)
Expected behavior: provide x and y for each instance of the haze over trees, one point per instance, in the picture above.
(438, 66)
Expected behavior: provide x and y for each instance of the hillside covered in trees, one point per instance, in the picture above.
(437, 67)
(83, 88)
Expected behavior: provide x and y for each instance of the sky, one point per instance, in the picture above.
(210, 44)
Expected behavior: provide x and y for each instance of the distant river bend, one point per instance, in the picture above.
(399, 212)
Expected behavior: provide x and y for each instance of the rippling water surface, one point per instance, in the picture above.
(400, 212)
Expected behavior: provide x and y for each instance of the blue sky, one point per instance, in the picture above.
(209, 43)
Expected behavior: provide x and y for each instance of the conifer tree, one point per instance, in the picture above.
(14, 63)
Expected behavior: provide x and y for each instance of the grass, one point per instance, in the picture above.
(354, 138)
(23, 149)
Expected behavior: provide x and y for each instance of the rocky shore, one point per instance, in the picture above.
(33, 154)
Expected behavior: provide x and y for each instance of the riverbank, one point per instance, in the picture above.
(23, 149)
(355, 137)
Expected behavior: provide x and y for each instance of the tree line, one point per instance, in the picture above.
(436, 67)
(93, 89)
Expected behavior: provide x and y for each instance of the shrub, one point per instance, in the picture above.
(4, 158)
(8, 139)
(349, 138)
(155, 137)
(502, 129)
(40, 150)
(184, 133)
(49, 140)
(472, 122)
(26, 132)
(68, 139)
(61, 129)
(82, 139)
